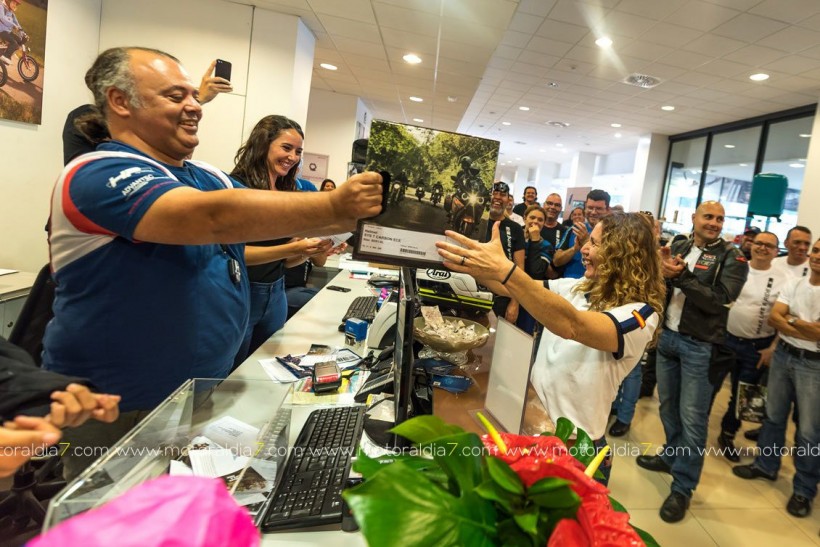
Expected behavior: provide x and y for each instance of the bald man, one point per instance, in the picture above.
(704, 276)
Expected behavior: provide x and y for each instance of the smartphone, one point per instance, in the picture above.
(223, 69)
(337, 288)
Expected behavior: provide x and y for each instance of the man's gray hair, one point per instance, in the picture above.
(112, 69)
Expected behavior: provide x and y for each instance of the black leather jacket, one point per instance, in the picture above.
(710, 289)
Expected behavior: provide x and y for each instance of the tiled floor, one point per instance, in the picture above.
(726, 511)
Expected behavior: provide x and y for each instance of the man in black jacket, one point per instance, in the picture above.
(705, 275)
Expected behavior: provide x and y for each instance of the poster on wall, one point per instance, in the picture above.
(22, 59)
(439, 181)
(314, 168)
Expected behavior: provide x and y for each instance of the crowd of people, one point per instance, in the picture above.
(168, 268)
(730, 311)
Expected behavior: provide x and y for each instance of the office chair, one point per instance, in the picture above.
(37, 481)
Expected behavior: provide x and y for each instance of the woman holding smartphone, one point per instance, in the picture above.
(269, 160)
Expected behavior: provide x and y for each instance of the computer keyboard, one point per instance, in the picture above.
(310, 491)
(362, 307)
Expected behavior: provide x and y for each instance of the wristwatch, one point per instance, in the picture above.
(791, 320)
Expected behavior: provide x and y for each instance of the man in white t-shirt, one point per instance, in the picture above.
(797, 243)
(795, 264)
(794, 377)
(748, 332)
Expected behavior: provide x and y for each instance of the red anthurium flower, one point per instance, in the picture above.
(520, 446)
(604, 526)
(568, 533)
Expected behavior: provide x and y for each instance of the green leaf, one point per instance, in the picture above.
(527, 520)
(459, 456)
(560, 498)
(547, 484)
(646, 537)
(564, 428)
(368, 466)
(425, 429)
(490, 490)
(400, 507)
(503, 475)
(616, 505)
(547, 434)
(584, 448)
(511, 535)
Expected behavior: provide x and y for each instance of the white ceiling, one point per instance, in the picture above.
(493, 56)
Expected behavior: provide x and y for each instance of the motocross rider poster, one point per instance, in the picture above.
(439, 181)
(22, 59)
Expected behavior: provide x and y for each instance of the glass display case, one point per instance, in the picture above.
(237, 430)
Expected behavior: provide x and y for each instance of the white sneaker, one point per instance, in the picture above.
(5, 60)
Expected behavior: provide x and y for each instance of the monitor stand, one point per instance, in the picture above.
(378, 430)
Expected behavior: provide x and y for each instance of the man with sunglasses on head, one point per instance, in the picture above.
(512, 241)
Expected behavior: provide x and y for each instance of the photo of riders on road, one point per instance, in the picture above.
(439, 180)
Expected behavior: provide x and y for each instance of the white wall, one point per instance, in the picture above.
(33, 154)
(810, 194)
(331, 128)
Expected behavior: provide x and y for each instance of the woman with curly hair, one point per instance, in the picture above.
(595, 328)
(269, 160)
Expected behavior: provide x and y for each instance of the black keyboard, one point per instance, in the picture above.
(362, 307)
(310, 491)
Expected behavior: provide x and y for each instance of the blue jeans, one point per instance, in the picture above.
(269, 310)
(685, 393)
(745, 370)
(298, 297)
(628, 395)
(791, 379)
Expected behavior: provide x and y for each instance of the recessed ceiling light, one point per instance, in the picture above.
(743, 164)
(668, 108)
(517, 159)
(603, 41)
(615, 125)
(759, 77)
(805, 135)
(418, 120)
(618, 135)
(797, 165)
(412, 59)
(328, 66)
(506, 123)
(451, 99)
(728, 146)
(417, 99)
(524, 108)
(559, 145)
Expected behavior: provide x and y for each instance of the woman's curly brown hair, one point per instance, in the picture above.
(630, 265)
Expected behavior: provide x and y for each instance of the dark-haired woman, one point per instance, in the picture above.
(269, 160)
(327, 185)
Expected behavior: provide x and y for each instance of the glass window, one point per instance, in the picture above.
(729, 175)
(786, 149)
(682, 183)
